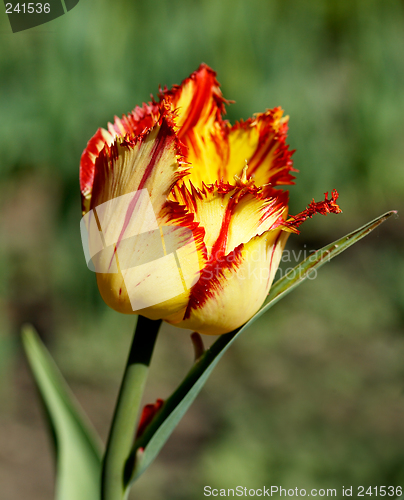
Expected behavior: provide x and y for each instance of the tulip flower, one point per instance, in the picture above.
(184, 212)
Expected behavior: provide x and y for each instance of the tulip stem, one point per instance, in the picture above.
(191, 379)
(122, 430)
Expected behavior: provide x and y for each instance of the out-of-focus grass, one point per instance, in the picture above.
(312, 396)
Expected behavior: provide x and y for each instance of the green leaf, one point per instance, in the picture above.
(156, 434)
(78, 449)
(317, 259)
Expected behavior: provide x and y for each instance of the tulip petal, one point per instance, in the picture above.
(261, 142)
(231, 215)
(233, 288)
(138, 122)
(152, 161)
(146, 164)
(94, 146)
(156, 271)
(199, 105)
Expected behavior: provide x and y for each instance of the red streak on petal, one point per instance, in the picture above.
(94, 146)
(141, 119)
(178, 215)
(204, 82)
(271, 149)
(212, 278)
(164, 137)
(192, 141)
(129, 130)
(219, 247)
(206, 95)
(260, 154)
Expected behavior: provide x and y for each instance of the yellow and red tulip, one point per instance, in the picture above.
(220, 182)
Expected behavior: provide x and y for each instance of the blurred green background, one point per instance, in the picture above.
(312, 396)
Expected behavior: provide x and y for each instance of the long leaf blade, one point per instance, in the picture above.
(165, 421)
(78, 449)
(300, 273)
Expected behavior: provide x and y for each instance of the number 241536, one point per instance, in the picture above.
(381, 491)
(28, 8)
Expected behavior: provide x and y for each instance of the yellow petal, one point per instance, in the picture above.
(260, 141)
(154, 289)
(230, 292)
(136, 123)
(199, 105)
(151, 162)
(151, 273)
(136, 269)
(231, 215)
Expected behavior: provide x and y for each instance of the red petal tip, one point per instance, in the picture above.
(322, 207)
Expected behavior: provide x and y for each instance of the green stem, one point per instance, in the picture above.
(178, 395)
(130, 395)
